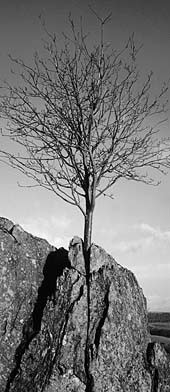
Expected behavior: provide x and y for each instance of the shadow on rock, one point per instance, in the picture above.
(54, 266)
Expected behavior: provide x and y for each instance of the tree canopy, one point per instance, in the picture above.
(84, 119)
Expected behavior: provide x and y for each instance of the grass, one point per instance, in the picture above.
(159, 317)
(159, 324)
(159, 329)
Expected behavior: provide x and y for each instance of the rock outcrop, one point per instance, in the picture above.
(45, 320)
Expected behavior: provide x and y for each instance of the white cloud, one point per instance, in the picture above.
(141, 237)
(53, 229)
(60, 242)
(62, 222)
(132, 245)
(155, 232)
(147, 228)
(151, 271)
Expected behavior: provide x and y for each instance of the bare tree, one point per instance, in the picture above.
(84, 120)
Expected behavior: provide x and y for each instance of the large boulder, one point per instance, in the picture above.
(62, 331)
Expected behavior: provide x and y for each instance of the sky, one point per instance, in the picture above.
(134, 227)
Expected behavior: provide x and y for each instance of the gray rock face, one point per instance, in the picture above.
(44, 319)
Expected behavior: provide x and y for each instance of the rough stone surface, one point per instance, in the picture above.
(44, 318)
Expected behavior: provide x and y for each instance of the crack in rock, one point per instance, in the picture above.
(62, 333)
(9, 231)
(101, 322)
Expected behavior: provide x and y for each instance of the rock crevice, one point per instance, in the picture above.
(101, 321)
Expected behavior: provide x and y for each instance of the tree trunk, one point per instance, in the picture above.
(86, 250)
(88, 229)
